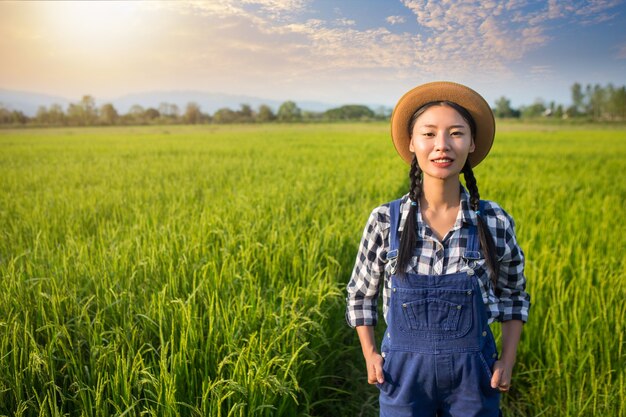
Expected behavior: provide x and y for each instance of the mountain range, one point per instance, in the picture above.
(29, 102)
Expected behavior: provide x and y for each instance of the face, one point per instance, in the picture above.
(441, 140)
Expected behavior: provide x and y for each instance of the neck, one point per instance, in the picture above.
(440, 194)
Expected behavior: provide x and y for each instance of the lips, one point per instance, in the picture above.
(442, 162)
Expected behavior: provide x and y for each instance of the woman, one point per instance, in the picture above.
(449, 265)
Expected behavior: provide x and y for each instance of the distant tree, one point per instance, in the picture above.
(382, 113)
(577, 98)
(108, 114)
(18, 117)
(265, 114)
(357, 112)
(56, 116)
(90, 113)
(174, 110)
(225, 115)
(136, 114)
(571, 112)
(534, 110)
(5, 114)
(245, 114)
(75, 114)
(169, 112)
(618, 102)
(42, 115)
(558, 112)
(83, 113)
(192, 115)
(151, 114)
(349, 112)
(597, 102)
(588, 103)
(289, 112)
(503, 107)
(312, 116)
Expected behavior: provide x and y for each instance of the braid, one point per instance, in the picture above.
(486, 240)
(409, 232)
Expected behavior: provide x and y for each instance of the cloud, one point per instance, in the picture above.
(290, 45)
(452, 38)
(475, 37)
(572, 12)
(346, 22)
(492, 36)
(304, 46)
(270, 9)
(540, 72)
(394, 20)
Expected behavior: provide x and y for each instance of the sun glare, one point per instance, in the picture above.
(93, 24)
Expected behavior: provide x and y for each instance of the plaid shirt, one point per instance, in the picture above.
(433, 257)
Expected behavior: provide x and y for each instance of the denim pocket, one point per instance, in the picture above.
(432, 314)
(385, 386)
(435, 313)
(488, 366)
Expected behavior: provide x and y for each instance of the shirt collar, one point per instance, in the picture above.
(466, 214)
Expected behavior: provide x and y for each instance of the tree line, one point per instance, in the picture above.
(86, 113)
(592, 103)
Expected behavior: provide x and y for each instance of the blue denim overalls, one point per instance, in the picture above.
(438, 349)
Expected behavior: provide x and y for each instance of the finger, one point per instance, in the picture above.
(380, 377)
(495, 379)
(505, 384)
(372, 376)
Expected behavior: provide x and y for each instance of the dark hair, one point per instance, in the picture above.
(408, 237)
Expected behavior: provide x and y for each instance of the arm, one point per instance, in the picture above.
(363, 290)
(514, 303)
(503, 368)
(373, 360)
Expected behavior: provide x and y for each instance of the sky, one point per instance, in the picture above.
(344, 52)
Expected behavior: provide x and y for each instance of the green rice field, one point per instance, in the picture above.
(201, 271)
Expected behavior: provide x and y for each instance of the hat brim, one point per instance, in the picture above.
(444, 91)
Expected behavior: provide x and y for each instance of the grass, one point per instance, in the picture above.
(188, 271)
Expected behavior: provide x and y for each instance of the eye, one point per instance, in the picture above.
(457, 133)
(428, 134)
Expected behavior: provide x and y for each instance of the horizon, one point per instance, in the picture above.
(364, 52)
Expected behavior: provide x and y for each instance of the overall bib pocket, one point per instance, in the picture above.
(434, 312)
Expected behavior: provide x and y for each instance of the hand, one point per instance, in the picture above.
(374, 363)
(501, 378)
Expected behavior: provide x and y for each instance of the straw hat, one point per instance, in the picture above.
(443, 91)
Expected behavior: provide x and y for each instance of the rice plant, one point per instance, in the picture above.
(200, 271)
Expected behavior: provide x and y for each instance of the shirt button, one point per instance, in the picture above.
(484, 333)
(470, 272)
(469, 292)
(495, 355)
(389, 335)
(383, 355)
(458, 307)
(394, 290)
(403, 305)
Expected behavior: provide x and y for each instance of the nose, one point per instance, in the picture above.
(442, 141)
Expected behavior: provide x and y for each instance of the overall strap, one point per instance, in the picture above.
(472, 250)
(394, 238)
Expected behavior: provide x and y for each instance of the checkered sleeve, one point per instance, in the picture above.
(513, 300)
(368, 274)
